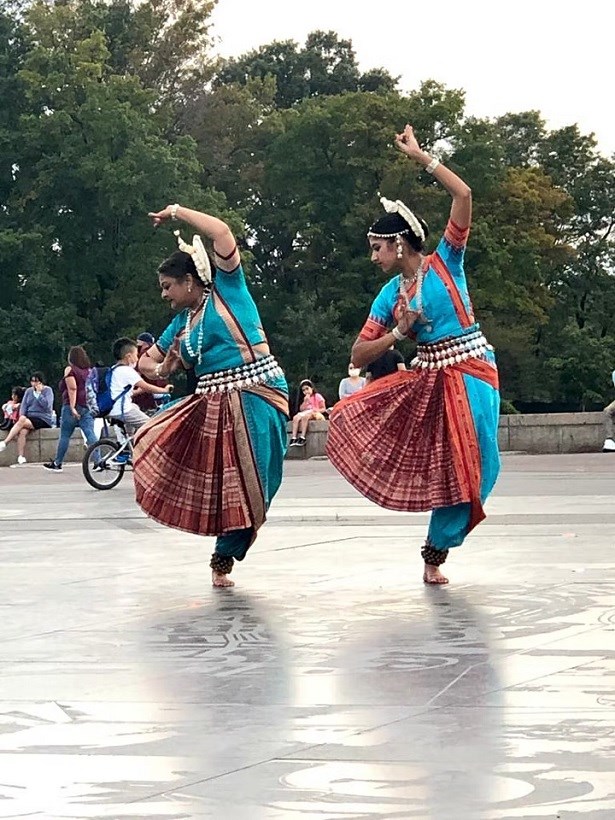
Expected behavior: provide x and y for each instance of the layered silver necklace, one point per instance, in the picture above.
(406, 284)
(198, 353)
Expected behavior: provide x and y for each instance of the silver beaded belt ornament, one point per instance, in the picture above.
(451, 351)
(237, 378)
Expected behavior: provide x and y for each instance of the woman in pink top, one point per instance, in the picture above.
(312, 407)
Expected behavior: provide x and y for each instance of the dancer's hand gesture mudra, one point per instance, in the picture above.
(408, 144)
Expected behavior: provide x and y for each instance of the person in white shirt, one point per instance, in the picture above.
(609, 416)
(124, 380)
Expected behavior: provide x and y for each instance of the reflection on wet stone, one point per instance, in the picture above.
(326, 685)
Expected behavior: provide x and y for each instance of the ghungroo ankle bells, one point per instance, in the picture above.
(432, 556)
(221, 563)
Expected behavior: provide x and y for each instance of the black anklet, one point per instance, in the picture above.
(432, 556)
(221, 563)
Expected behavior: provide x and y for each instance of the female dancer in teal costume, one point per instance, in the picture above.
(211, 463)
(424, 439)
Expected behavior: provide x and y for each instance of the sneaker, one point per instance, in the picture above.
(123, 458)
(293, 442)
(51, 465)
(301, 441)
(21, 460)
(2, 446)
(608, 446)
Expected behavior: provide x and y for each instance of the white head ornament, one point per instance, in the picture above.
(398, 207)
(199, 256)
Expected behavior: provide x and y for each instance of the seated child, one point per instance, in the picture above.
(10, 409)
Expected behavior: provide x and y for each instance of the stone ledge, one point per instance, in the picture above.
(316, 441)
(530, 433)
(542, 433)
(545, 433)
(552, 419)
(41, 446)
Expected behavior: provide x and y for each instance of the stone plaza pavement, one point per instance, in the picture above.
(330, 683)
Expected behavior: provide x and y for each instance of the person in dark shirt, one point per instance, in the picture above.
(75, 412)
(390, 362)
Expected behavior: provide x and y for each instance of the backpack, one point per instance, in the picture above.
(98, 391)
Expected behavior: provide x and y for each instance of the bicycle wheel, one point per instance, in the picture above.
(99, 466)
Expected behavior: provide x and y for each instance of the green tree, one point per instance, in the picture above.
(583, 367)
(314, 172)
(585, 288)
(325, 66)
(309, 345)
(163, 43)
(112, 108)
(90, 160)
(320, 167)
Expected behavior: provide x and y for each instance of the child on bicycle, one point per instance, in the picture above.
(124, 379)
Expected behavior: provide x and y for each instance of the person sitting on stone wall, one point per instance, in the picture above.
(352, 383)
(312, 408)
(10, 409)
(35, 413)
(609, 424)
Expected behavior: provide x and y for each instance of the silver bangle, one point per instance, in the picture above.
(432, 166)
(158, 371)
(398, 334)
(174, 210)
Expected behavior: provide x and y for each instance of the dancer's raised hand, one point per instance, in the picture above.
(407, 143)
(158, 217)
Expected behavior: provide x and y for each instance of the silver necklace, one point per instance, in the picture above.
(404, 287)
(406, 284)
(198, 353)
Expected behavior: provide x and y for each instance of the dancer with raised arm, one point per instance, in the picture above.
(211, 463)
(426, 438)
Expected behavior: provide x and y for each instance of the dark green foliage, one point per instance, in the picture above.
(111, 109)
(325, 66)
(83, 159)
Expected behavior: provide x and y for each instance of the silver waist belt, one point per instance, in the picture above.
(451, 351)
(236, 378)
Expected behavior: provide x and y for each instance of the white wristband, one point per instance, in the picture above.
(432, 166)
(174, 210)
(398, 334)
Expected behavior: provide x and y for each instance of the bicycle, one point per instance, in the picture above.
(105, 462)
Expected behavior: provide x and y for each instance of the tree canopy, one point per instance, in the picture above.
(111, 109)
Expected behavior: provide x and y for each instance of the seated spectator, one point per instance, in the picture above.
(35, 413)
(311, 408)
(147, 401)
(352, 383)
(10, 409)
(75, 412)
(609, 424)
(124, 379)
(390, 362)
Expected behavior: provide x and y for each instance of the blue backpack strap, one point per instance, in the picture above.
(121, 395)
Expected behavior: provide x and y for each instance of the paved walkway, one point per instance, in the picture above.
(330, 683)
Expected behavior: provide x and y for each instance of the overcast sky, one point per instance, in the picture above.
(555, 57)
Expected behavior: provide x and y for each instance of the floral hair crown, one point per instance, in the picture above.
(398, 207)
(199, 256)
